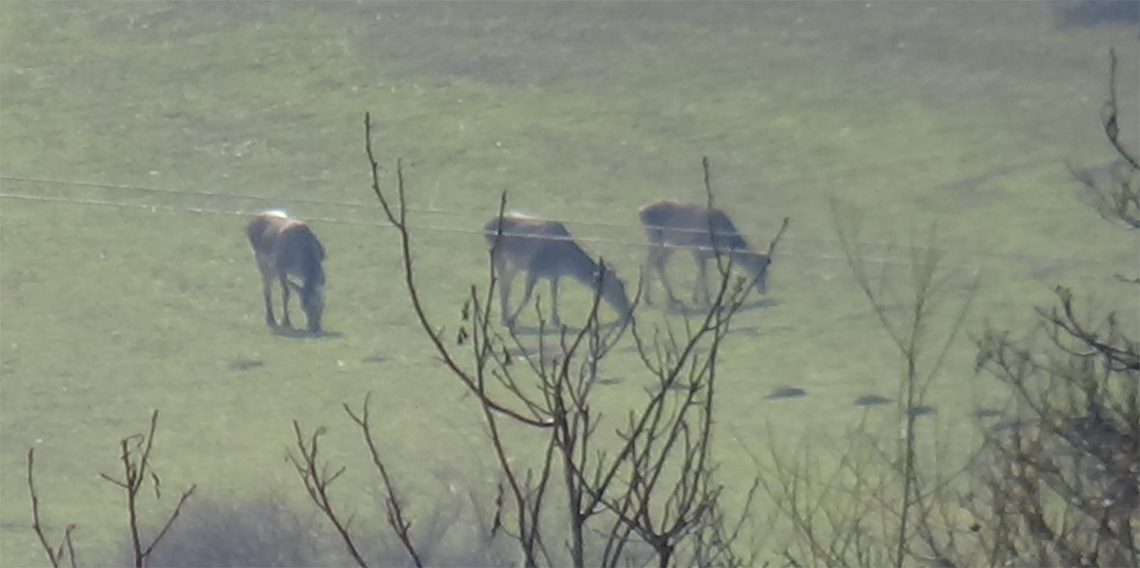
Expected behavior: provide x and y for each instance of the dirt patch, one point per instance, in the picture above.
(245, 364)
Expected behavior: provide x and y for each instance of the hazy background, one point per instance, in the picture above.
(136, 136)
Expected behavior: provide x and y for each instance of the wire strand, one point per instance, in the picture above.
(471, 215)
(455, 230)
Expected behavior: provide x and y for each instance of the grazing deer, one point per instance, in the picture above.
(282, 246)
(545, 249)
(670, 224)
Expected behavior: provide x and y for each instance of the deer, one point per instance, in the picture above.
(284, 246)
(546, 249)
(670, 224)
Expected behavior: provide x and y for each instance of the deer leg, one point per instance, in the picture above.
(285, 301)
(661, 258)
(647, 275)
(555, 319)
(506, 275)
(531, 279)
(654, 264)
(267, 292)
(701, 289)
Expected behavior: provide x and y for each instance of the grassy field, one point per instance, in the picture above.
(122, 290)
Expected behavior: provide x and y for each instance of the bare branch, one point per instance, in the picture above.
(395, 511)
(65, 549)
(170, 521)
(1109, 115)
(397, 215)
(317, 480)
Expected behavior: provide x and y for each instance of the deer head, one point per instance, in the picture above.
(758, 264)
(612, 291)
(312, 302)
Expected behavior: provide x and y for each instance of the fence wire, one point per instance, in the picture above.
(474, 227)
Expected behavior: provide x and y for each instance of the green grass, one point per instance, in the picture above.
(581, 111)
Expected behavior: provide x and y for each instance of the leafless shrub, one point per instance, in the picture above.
(1055, 485)
(227, 531)
(135, 456)
(1113, 186)
(587, 499)
(1059, 486)
(878, 500)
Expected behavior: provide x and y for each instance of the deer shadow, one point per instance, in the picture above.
(702, 310)
(676, 309)
(301, 333)
(571, 330)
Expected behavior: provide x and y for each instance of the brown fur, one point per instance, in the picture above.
(545, 249)
(285, 246)
(671, 224)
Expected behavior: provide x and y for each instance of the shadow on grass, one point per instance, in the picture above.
(294, 333)
(224, 532)
(677, 309)
(270, 532)
(1088, 13)
(700, 310)
(785, 392)
(571, 330)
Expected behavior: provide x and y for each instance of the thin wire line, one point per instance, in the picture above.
(205, 210)
(470, 215)
(181, 191)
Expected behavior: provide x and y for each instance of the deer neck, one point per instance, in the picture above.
(582, 268)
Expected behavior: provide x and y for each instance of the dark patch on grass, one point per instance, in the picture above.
(923, 410)
(489, 69)
(522, 351)
(786, 392)
(607, 381)
(854, 316)
(1009, 425)
(759, 304)
(987, 413)
(245, 364)
(872, 400)
(548, 355)
(550, 329)
(294, 333)
(1046, 273)
(1097, 12)
(215, 532)
(676, 386)
(751, 330)
(973, 183)
(701, 310)
(374, 359)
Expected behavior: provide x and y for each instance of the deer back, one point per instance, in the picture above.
(675, 223)
(527, 241)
